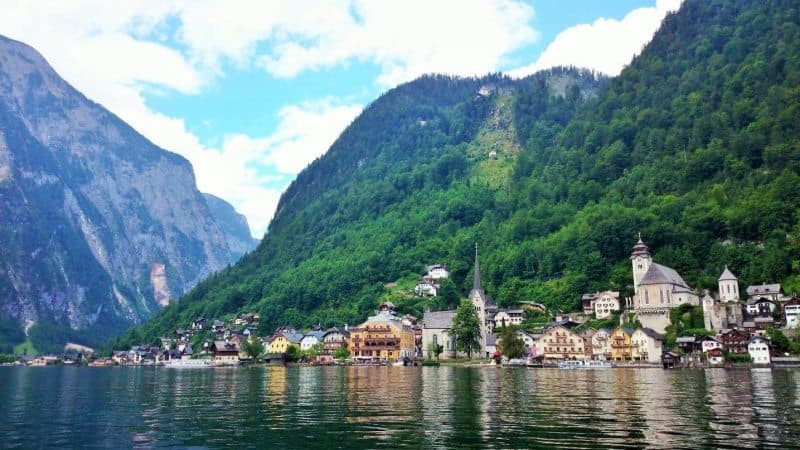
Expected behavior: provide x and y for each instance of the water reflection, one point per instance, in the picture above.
(392, 407)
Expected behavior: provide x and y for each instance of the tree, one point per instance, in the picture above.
(434, 349)
(341, 353)
(292, 353)
(511, 346)
(253, 347)
(778, 339)
(467, 328)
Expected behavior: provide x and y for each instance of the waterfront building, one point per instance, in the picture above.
(647, 345)
(436, 327)
(657, 289)
(334, 339)
(601, 345)
(621, 345)
(558, 342)
(708, 343)
(758, 348)
(382, 337)
(282, 339)
(226, 352)
(734, 341)
(311, 339)
(715, 356)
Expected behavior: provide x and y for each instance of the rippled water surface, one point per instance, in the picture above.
(394, 407)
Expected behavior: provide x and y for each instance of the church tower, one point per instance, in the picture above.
(478, 298)
(641, 260)
(728, 286)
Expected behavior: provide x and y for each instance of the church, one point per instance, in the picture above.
(657, 289)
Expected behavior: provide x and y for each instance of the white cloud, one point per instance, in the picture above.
(407, 39)
(606, 45)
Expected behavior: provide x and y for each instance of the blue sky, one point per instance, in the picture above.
(252, 92)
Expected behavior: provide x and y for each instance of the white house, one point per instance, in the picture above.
(506, 317)
(601, 346)
(311, 339)
(768, 291)
(606, 303)
(791, 311)
(427, 287)
(709, 343)
(758, 348)
(438, 271)
(646, 345)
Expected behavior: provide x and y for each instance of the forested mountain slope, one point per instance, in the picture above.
(695, 145)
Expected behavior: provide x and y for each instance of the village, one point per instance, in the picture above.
(736, 329)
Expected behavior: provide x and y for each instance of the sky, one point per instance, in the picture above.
(251, 92)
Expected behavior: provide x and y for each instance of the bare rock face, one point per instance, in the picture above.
(99, 228)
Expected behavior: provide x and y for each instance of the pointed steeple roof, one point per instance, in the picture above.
(727, 275)
(640, 249)
(476, 277)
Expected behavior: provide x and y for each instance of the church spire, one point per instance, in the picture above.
(476, 278)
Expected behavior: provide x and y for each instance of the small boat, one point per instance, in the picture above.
(189, 363)
(585, 364)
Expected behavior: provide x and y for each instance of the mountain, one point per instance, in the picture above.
(233, 225)
(99, 228)
(695, 145)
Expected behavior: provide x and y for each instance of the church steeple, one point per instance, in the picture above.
(476, 277)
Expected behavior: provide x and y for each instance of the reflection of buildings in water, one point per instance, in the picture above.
(276, 385)
(307, 386)
(437, 399)
(493, 389)
(764, 405)
(731, 403)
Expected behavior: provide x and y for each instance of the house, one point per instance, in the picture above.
(670, 360)
(558, 342)
(311, 339)
(529, 340)
(601, 345)
(689, 344)
(758, 348)
(791, 313)
(760, 306)
(436, 327)
(438, 271)
(282, 339)
(767, 291)
(708, 343)
(621, 346)
(226, 352)
(715, 356)
(602, 304)
(763, 323)
(382, 337)
(427, 287)
(647, 345)
(657, 289)
(198, 323)
(505, 317)
(734, 341)
(334, 339)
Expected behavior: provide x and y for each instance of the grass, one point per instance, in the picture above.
(25, 348)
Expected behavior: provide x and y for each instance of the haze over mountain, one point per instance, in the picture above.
(99, 228)
(695, 145)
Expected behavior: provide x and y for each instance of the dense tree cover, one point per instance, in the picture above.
(695, 145)
(510, 345)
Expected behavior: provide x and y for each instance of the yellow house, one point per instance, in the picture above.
(282, 339)
(621, 345)
(382, 337)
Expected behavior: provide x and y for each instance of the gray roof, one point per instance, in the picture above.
(727, 275)
(748, 324)
(440, 320)
(226, 346)
(765, 289)
(653, 334)
(686, 339)
(764, 319)
(316, 333)
(336, 330)
(658, 274)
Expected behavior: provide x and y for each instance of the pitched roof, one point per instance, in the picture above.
(653, 333)
(685, 339)
(658, 274)
(727, 275)
(318, 334)
(766, 289)
(440, 320)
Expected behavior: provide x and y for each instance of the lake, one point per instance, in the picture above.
(395, 407)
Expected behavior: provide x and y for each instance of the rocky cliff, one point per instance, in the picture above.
(99, 228)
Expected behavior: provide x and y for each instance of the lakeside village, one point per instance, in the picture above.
(737, 329)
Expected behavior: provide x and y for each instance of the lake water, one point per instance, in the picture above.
(394, 407)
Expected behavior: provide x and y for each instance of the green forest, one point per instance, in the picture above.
(695, 145)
